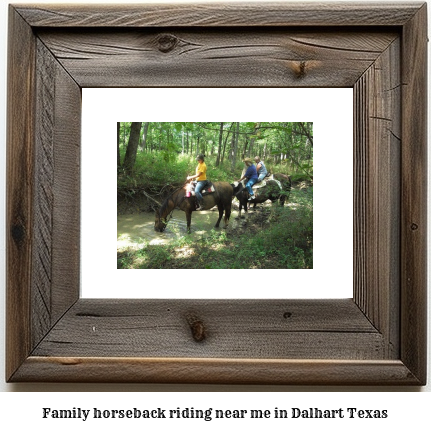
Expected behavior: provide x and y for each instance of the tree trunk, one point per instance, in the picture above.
(220, 141)
(144, 137)
(118, 145)
(132, 146)
(235, 148)
(225, 142)
(250, 148)
(244, 151)
(182, 140)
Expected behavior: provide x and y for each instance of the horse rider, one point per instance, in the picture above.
(201, 176)
(251, 176)
(261, 169)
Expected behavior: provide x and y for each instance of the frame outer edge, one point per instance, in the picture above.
(213, 14)
(19, 189)
(414, 196)
(215, 371)
(20, 200)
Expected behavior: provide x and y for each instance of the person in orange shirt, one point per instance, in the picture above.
(201, 176)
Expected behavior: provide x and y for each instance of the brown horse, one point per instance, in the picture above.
(222, 197)
(271, 191)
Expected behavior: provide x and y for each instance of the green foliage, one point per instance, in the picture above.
(287, 143)
(158, 170)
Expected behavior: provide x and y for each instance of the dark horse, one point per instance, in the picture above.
(271, 191)
(222, 197)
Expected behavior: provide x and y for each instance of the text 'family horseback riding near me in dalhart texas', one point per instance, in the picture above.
(214, 413)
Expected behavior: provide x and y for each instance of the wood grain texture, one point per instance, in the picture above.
(414, 195)
(44, 110)
(378, 337)
(234, 329)
(220, 15)
(228, 58)
(377, 101)
(20, 195)
(67, 199)
(55, 279)
(44, 194)
(215, 371)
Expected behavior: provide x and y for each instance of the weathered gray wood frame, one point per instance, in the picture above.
(378, 337)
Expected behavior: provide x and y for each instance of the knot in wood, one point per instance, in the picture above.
(18, 233)
(197, 328)
(167, 42)
(300, 69)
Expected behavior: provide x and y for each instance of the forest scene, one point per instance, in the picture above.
(158, 223)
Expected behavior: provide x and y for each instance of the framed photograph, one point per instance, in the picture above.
(122, 203)
(377, 337)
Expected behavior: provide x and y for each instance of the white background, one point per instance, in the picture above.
(330, 110)
(408, 408)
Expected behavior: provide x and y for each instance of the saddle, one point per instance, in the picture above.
(268, 177)
(209, 188)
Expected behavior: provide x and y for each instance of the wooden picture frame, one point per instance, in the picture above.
(376, 338)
